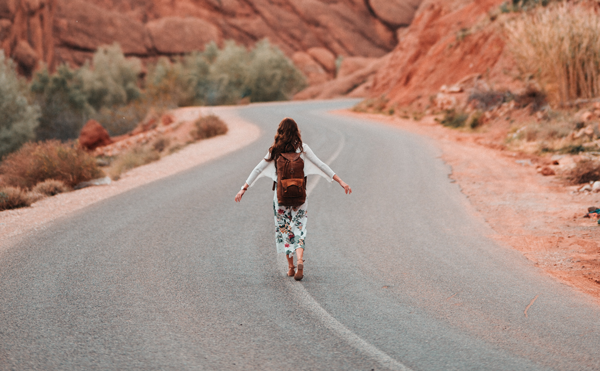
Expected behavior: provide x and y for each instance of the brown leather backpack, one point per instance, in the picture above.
(291, 182)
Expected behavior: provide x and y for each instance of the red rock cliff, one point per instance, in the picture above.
(57, 31)
(442, 47)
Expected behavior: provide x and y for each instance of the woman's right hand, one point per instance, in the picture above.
(346, 187)
(239, 195)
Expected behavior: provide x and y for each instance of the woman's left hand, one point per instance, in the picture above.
(239, 195)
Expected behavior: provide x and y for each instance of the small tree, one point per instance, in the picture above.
(18, 117)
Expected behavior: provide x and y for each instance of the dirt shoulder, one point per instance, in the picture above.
(537, 215)
(19, 223)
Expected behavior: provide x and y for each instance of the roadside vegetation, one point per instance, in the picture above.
(41, 118)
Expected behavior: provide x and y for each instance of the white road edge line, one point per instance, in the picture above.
(327, 319)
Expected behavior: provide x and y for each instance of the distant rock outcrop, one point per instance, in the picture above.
(69, 31)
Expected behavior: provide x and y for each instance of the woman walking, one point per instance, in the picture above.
(288, 155)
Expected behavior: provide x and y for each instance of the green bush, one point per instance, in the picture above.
(18, 117)
(225, 76)
(271, 76)
(112, 79)
(36, 162)
(63, 103)
(69, 97)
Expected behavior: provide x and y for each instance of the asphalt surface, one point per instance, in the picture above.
(175, 275)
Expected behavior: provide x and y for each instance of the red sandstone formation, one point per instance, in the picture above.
(441, 47)
(69, 31)
(93, 135)
(449, 43)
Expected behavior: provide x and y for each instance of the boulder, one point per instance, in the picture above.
(396, 13)
(25, 55)
(8, 8)
(313, 71)
(174, 35)
(85, 26)
(324, 57)
(93, 135)
(353, 64)
(547, 171)
(587, 116)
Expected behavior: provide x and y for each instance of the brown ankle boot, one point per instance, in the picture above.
(291, 272)
(300, 272)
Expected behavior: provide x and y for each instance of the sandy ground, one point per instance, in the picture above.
(19, 223)
(534, 214)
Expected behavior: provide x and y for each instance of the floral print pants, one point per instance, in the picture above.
(290, 227)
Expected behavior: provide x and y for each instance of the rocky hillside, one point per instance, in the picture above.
(450, 43)
(314, 32)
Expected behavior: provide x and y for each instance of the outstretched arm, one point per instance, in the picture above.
(252, 178)
(346, 187)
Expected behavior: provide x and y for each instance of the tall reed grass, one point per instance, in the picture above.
(560, 46)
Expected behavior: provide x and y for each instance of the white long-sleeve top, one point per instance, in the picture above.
(312, 166)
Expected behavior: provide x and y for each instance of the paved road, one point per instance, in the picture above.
(400, 275)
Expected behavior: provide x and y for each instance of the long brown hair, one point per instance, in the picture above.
(287, 139)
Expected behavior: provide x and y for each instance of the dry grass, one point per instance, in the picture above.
(36, 162)
(51, 187)
(560, 46)
(374, 105)
(584, 172)
(208, 127)
(135, 157)
(161, 143)
(15, 197)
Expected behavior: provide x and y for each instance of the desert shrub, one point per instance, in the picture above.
(489, 99)
(475, 120)
(560, 46)
(35, 162)
(374, 105)
(175, 148)
(208, 127)
(18, 117)
(112, 79)
(518, 5)
(173, 84)
(454, 119)
(121, 120)
(15, 197)
(133, 158)
(161, 143)
(225, 76)
(64, 106)
(69, 97)
(50, 187)
(547, 130)
(584, 171)
(271, 76)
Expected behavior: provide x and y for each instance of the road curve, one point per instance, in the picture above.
(400, 275)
